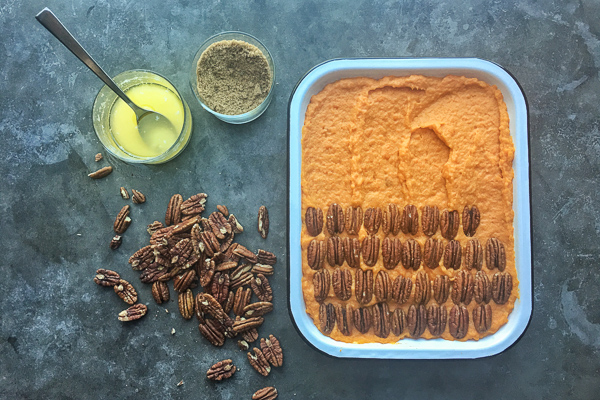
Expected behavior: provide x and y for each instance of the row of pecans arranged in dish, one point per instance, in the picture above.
(392, 220)
(462, 289)
(338, 250)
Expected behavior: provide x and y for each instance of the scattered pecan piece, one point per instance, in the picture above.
(352, 251)
(134, 312)
(381, 320)
(257, 309)
(106, 277)
(335, 251)
(449, 221)
(422, 288)
(267, 393)
(236, 227)
(220, 287)
(363, 319)
(441, 288)
(98, 157)
(321, 283)
(370, 250)
(430, 219)
(501, 287)
(473, 255)
(185, 301)
(458, 321)
(453, 255)
(335, 219)
(122, 221)
(433, 252)
(391, 220)
(410, 220)
(437, 316)
(372, 220)
(219, 225)
(115, 242)
(160, 292)
(223, 210)
(153, 227)
(245, 253)
(482, 317)
(383, 286)
(401, 289)
(137, 197)
(245, 324)
(411, 254)
(124, 193)
(354, 220)
(212, 331)
(470, 220)
(206, 271)
(313, 219)
(221, 370)
(101, 173)
(344, 318)
(315, 254)
(416, 320)
(259, 362)
(243, 345)
(261, 288)
(363, 288)
(327, 317)
(397, 321)
(192, 206)
(173, 214)
(241, 300)
(342, 283)
(126, 291)
(266, 257)
(263, 222)
(272, 350)
(495, 255)
(391, 251)
(482, 290)
(462, 288)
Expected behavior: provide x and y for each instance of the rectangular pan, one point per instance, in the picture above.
(330, 71)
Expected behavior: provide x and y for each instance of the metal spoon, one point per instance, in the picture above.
(147, 120)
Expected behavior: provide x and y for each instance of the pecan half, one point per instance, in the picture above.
(370, 250)
(470, 220)
(335, 251)
(101, 173)
(183, 254)
(122, 221)
(458, 321)
(173, 213)
(433, 252)
(422, 288)
(327, 317)
(430, 219)
(245, 324)
(342, 283)
(315, 254)
(162, 236)
(223, 209)
(154, 272)
(495, 255)
(381, 320)
(391, 220)
(267, 393)
(410, 220)
(266, 257)
(125, 291)
(221, 370)
(482, 290)
(397, 321)
(462, 288)
(206, 271)
(257, 309)
(482, 318)
(501, 287)
(441, 288)
(137, 197)
(259, 362)
(354, 220)
(449, 221)
(134, 312)
(209, 244)
(383, 286)
(153, 227)
(251, 335)
(453, 255)
(352, 251)
(272, 350)
(219, 225)
(401, 289)
(210, 305)
(313, 219)
(363, 319)
(106, 277)
(226, 266)
(372, 221)
(344, 319)
(261, 288)
(115, 242)
(391, 252)
(321, 283)
(219, 287)
(437, 316)
(245, 253)
(263, 222)
(266, 270)
(416, 320)
(335, 219)
(194, 205)
(212, 331)
(241, 300)
(185, 301)
(363, 286)
(241, 276)
(160, 292)
(473, 255)
(411, 254)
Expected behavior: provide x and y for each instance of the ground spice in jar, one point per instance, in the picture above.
(233, 77)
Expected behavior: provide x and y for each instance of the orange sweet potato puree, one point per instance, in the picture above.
(410, 140)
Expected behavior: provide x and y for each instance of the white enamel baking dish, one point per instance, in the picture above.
(312, 83)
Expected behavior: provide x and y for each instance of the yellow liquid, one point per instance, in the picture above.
(123, 124)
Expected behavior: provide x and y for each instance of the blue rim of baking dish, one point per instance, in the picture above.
(413, 348)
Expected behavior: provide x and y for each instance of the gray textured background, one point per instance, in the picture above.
(59, 337)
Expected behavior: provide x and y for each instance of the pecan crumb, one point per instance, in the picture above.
(98, 157)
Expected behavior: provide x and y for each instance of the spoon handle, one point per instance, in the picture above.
(47, 18)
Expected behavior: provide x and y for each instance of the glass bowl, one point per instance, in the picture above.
(247, 116)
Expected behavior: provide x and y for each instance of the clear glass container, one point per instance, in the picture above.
(252, 114)
(105, 107)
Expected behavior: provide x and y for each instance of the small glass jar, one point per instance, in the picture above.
(107, 104)
(247, 116)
